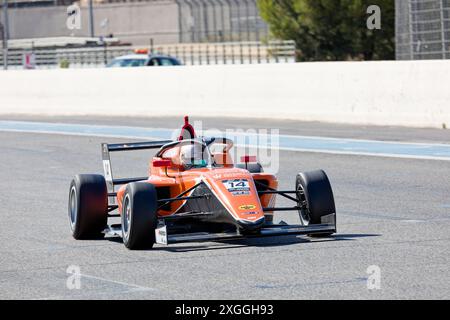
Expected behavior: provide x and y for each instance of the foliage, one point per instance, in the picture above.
(64, 64)
(332, 29)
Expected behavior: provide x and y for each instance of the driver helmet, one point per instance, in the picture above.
(191, 155)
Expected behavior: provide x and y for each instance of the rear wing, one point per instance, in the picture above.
(107, 168)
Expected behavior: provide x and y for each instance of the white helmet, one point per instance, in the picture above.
(192, 155)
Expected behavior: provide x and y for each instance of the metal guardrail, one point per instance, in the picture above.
(190, 54)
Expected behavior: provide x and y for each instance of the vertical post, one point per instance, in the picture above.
(216, 58)
(276, 51)
(232, 52)
(442, 28)
(230, 17)
(411, 37)
(204, 6)
(224, 56)
(238, 19)
(213, 6)
(91, 19)
(5, 34)
(180, 22)
(241, 52)
(222, 11)
(151, 45)
(247, 18)
(258, 52)
(191, 20)
(256, 21)
(105, 53)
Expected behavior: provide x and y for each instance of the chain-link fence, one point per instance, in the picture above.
(244, 52)
(422, 29)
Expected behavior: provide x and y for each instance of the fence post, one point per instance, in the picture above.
(241, 53)
(285, 52)
(105, 53)
(250, 52)
(276, 52)
(151, 45)
(258, 51)
(232, 53)
(216, 58)
(224, 56)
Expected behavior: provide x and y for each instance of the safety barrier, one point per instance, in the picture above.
(409, 93)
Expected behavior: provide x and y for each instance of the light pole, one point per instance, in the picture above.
(91, 19)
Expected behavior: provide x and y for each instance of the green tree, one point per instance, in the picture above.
(332, 29)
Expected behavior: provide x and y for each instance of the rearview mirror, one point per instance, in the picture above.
(161, 163)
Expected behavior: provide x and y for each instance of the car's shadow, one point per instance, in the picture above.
(274, 241)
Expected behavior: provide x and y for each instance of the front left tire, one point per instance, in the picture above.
(315, 197)
(139, 219)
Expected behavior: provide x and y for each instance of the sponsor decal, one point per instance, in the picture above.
(237, 187)
(247, 207)
(251, 212)
(161, 235)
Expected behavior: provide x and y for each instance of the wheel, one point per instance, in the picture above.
(139, 218)
(251, 167)
(315, 196)
(88, 206)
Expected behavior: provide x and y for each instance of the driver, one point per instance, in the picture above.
(191, 156)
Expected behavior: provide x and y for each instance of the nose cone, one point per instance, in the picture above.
(251, 225)
(237, 192)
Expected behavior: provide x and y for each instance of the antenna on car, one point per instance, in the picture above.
(187, 127)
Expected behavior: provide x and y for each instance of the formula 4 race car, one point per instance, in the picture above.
(194, 192)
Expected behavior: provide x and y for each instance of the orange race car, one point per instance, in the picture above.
(194, 192)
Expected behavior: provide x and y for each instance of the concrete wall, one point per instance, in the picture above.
(410, 93)
(163, 20)
(134, 22)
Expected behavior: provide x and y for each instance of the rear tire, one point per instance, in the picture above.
(139, 218)
(88, 206)
(317, 194)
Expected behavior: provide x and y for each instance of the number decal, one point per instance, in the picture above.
(237, 186)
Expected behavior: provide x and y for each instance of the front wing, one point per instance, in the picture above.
(327, 226)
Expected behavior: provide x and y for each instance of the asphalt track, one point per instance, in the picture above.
(392, 212)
